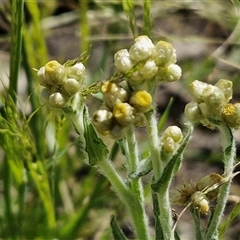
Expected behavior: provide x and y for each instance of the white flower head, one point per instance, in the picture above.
(77, 71)
(164, 54)
(142, 49)
(149, 70)
(57, 100)
(122, 61)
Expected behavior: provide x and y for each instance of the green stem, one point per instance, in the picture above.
(137, 205)
(131, 199)
(229, 150)
(165, 217)
(154, 144)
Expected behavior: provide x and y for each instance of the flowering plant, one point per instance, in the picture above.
(127, 103)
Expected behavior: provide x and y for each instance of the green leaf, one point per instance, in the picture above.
(173, 164)
(144, 167)
(95, 147)
(156, 211)
(226, 223)
(116, 231)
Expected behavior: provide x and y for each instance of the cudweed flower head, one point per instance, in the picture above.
(57, 100)
(207, 182)
(213, 96)
(164, 54)
(103, 121)
(196, 89)
(200, 202)
(124, 113)
(141, 100)
(231, 115)
(55, 72)
(142, 49)
(113, 94)
(170, 141)
(122, 61)
(173, 132)
(71, 86)
(193, 112)
(226, 87)
(149, 70)
(77, 71)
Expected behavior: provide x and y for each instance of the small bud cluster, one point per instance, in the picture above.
(60, 82)
(170, 140)
(198, 194)
(211, 104)
(121, 108)
(145, 61)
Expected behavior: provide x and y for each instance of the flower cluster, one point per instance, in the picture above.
(198, 194)
(60, 82)
(211, 104)
(121, 108)
(145, 61)
(127, 97)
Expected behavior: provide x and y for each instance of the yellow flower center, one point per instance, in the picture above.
(228, 109)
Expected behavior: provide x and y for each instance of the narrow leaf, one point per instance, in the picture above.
(116, 231)
(226, 223)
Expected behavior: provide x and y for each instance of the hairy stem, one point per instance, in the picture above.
(165, 217)
(229, 151)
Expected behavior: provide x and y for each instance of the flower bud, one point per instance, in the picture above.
(71, 86)
(57, 100)
(168, 145)
(173, 132)
(213, 96)
(200, 202)
(113, 94)
(42, 77)
(170, 73)
(206, 110)
(124, 114)
(142, 49)
(231, 114)
(142, 101)
(102, 120)
(196, 89)
(76, 71)
(226, 87)
(164, 54)
(55, 72)
(207, 182)
(122, 60)
(149, 70)
(193, 112)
